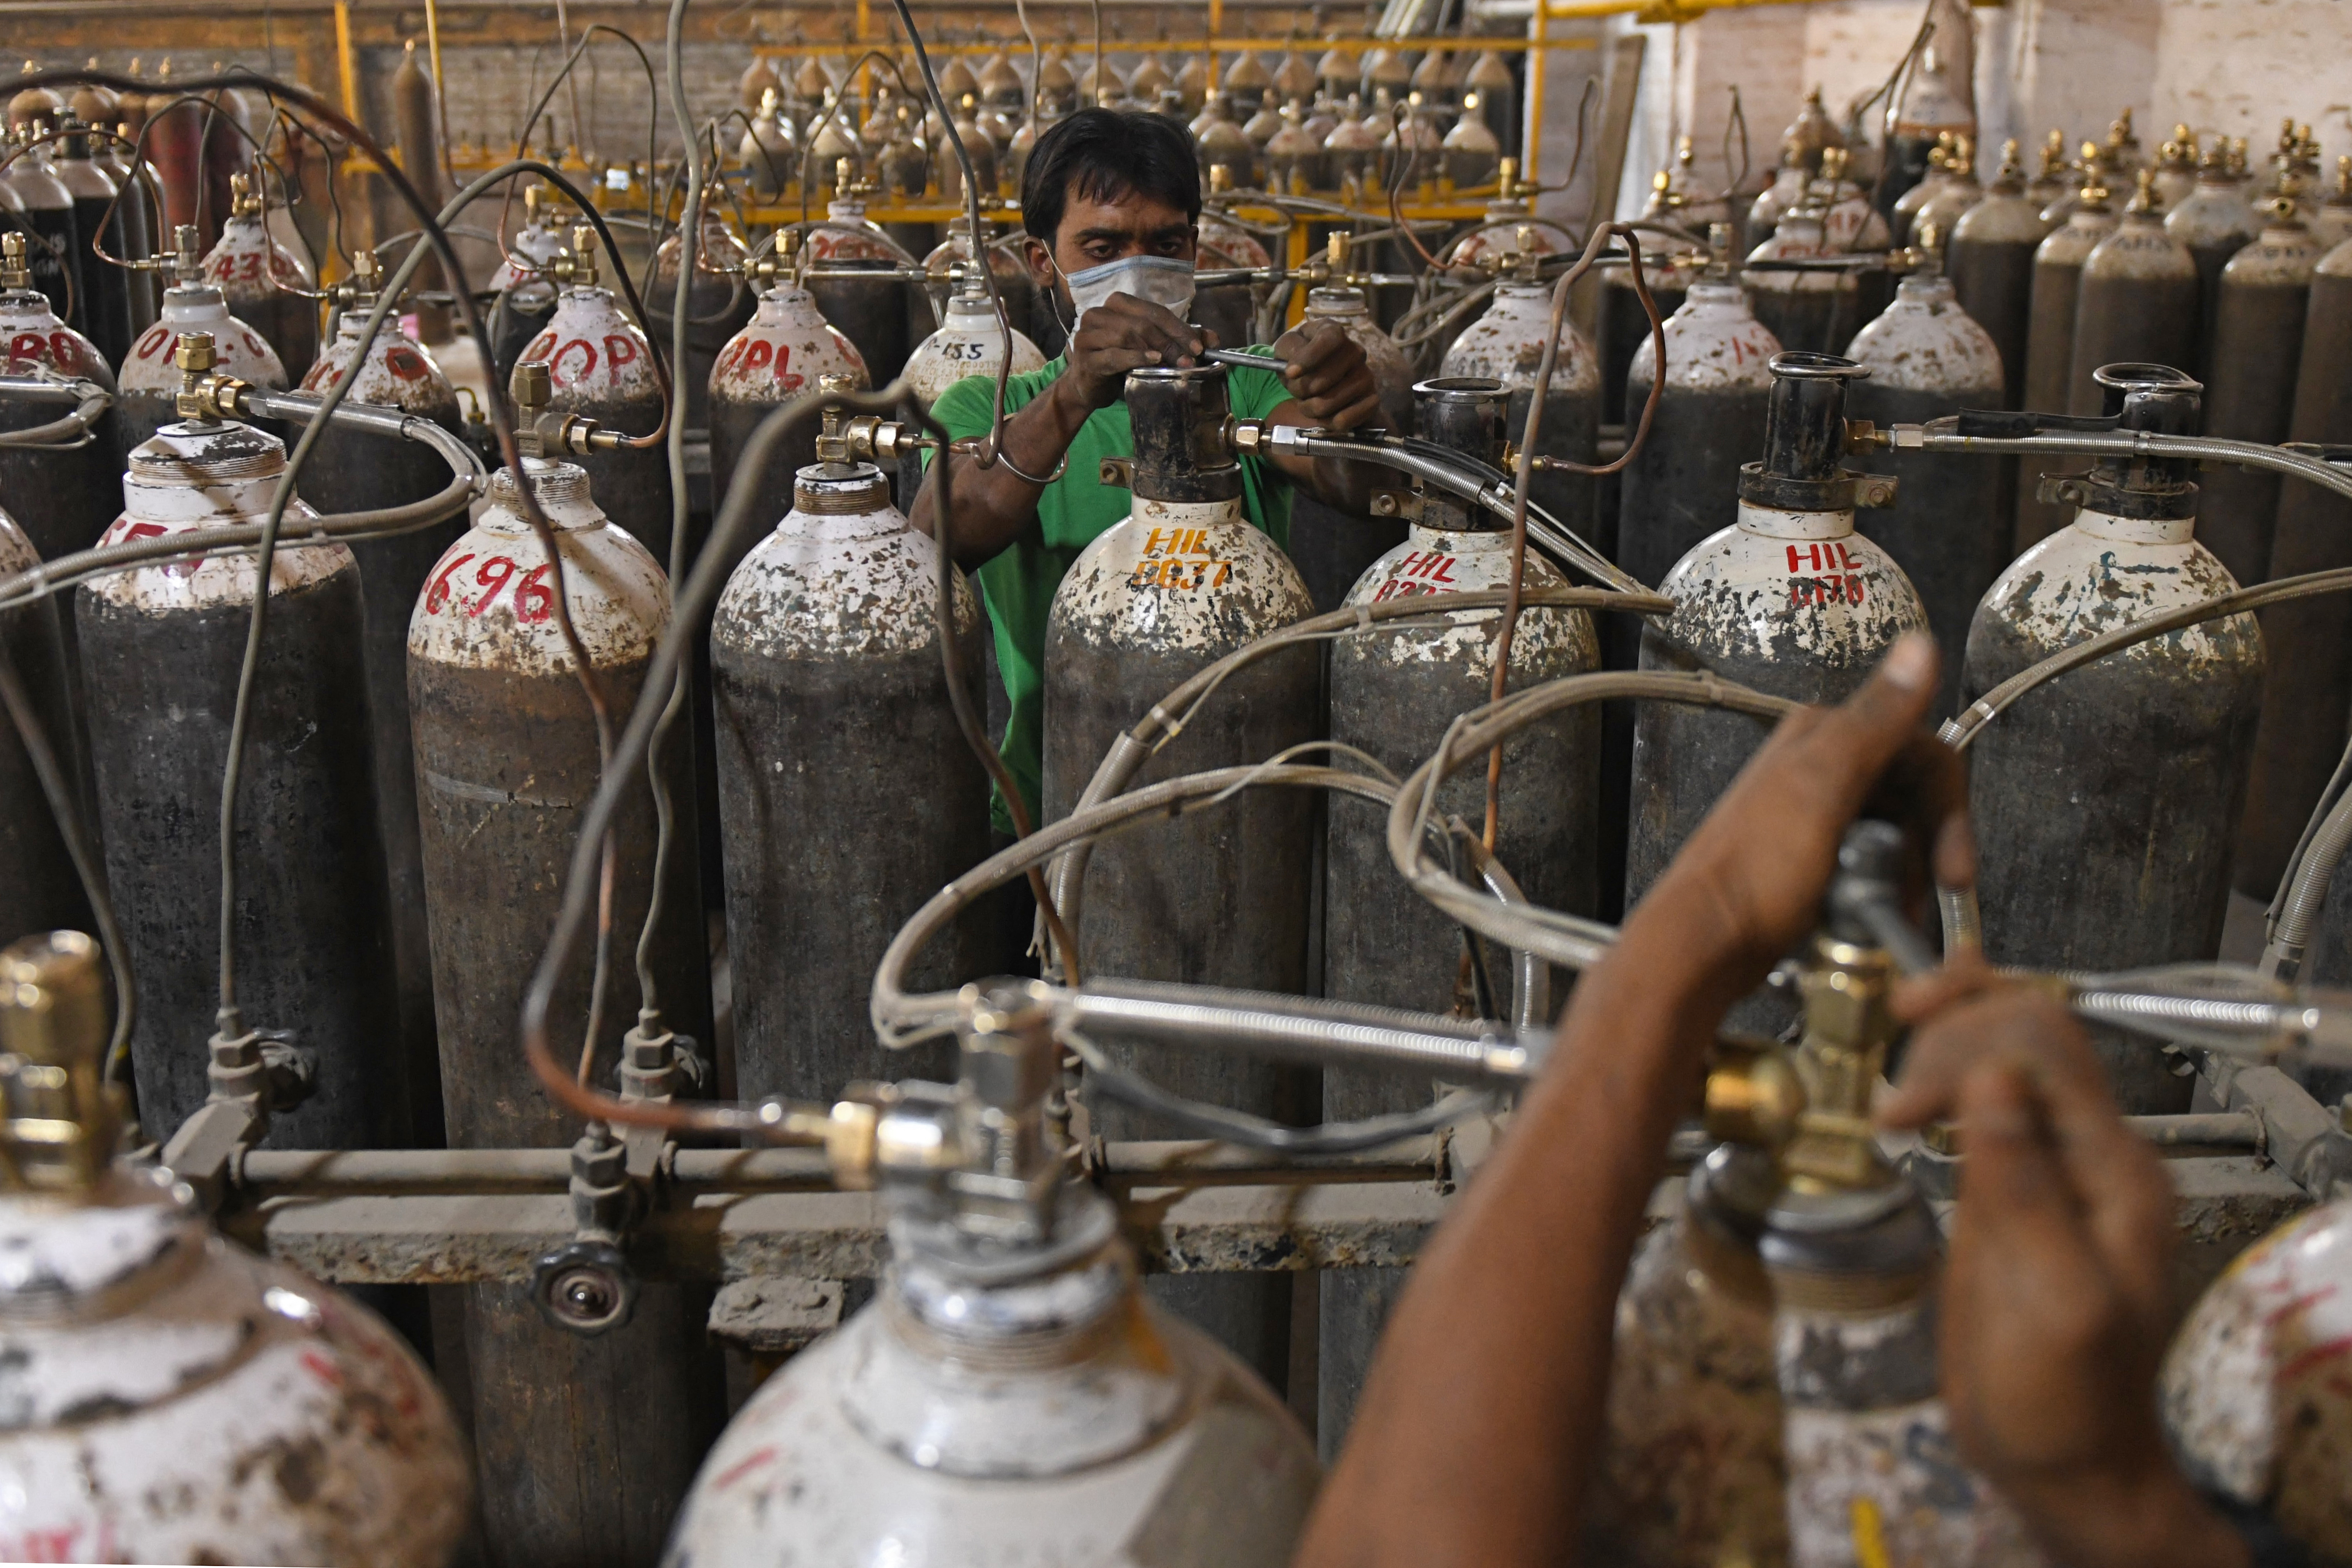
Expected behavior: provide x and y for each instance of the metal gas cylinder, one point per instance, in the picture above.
(1947, 528)
(1990, 263)
(1905, 210)
(602, 368)
(2176, 168)
(506, 761)
(1033, 311)
(2331, 225)
(2105, 800)
(1810, 312)
(2051, 315)
(140, 231)
(2215, 224)
(1710, 421)
(42, 207)
(1693, 1473)
(61, 495)
(1227, 309)
(353, 470)
(968, 343)
(1010, 1397)
(2138, 304)
(163, 646)
(1507, 344)
(1773, 201)
(829, 692)
(173, 1398)
(102, 289)
(525, 291)
(878, 317)
(1223, 897)
(2252, 1386)
(2257, 344)
(1959, 191)
(39, 889)
(1393, 689)
(1790, 600)
(1622, 326)
(1497, 233)
(717, 302)
(2308, 691)
(1850, 223)
(265, 284)
(771, 149)
(150, 391)
(1331, 548)
(788, 348)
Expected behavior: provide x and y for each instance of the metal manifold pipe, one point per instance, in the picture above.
(1943, 436)
(91, 402)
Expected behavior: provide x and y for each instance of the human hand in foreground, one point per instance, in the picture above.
(1326, 371)
(2056, 1304)
(1125, 333)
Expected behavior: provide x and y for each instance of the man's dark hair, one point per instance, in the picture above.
(1102, 154)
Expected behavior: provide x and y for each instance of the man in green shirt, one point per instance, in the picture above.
(1112, 202)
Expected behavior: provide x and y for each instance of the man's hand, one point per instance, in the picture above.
(2055, 1303)
(1326, 371)
(1122, 334)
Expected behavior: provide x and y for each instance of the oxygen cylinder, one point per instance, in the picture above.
(785, 349)
(175, 139)
(2257, 343)
(2050, 346)
(2105, 800)
(2308, 691)
(102, 289)
(1790, 600)
(1959, 193)
(1991, 264)
(1693, 1474)
(771, 149)
(1509, 224)
(39, 889)
(968, 343)
(1623, 327)
(525, 294)
(1773, 201)
(151, 380)
(60, 494)
(2252, 1386)
(1394, 689)
(602, 368)
(421, 158)
(1223, 897)
(2138, 302)
(1947, 528)
(2331, 225)
(1031, 310)
(1330, 547)
(40, 203)
(1710, 418)
(1507, 344)
(140, 231)
(163, 646)
(249, 1414)
(263, 282)
(506, 761)
(1804, 311)
(831, 695)
(351, 471)
(717, 303)
(875, 316)
(1010, 1398)
(2215, 224)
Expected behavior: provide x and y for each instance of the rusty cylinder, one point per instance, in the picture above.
(2050, 346)
(1330, 547)
(2257, 343)
(2138, 304)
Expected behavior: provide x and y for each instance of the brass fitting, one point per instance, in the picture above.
(577, 267)
(540, 433)
(14, 270)
(243, 200)
(1848, 1027)
(204, 395)
(58, 1117)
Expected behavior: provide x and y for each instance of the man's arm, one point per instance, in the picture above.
(1331, 387)
(1482, 1417)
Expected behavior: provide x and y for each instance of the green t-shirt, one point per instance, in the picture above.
(1018, 584)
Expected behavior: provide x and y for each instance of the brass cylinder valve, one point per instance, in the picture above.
(542, 433)
(16, 272)
(58, 1116)
(576, 268)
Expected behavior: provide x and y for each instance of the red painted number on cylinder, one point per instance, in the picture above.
(533, 600)
(157, 340)
(505, 570)
(438, 594)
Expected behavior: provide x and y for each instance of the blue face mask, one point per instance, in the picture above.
(1162, 279)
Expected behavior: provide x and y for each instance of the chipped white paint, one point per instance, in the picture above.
(835, 585)
(2253, 1385)
(968, 343)
(36, 339)
(1799, 237)
(248, 266)
(187, 477)
(1507, 344)
(1499, 233)
(166, 1397)
(595, 353)
(16, 552)
(1924, 341)
(1892, 1478)
(1179, 576)
(398, 372)
(1773, 201)
(237, 349)
(1692, 1475)
(2101, 571)
(1851, 223)
(1789, 585)
(922, 1433)
(2139, 248)
(1346, 308)
(783, 348)
(848, 236)
(1714, 343)
(1547, 643)
(487, 603)
(1224, 243)
(521, 271)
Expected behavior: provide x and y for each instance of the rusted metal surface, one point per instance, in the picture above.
(38, 888)
(257, 276)
(151, 382)
(1507, 344)
(62, 498)
(164, 644)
